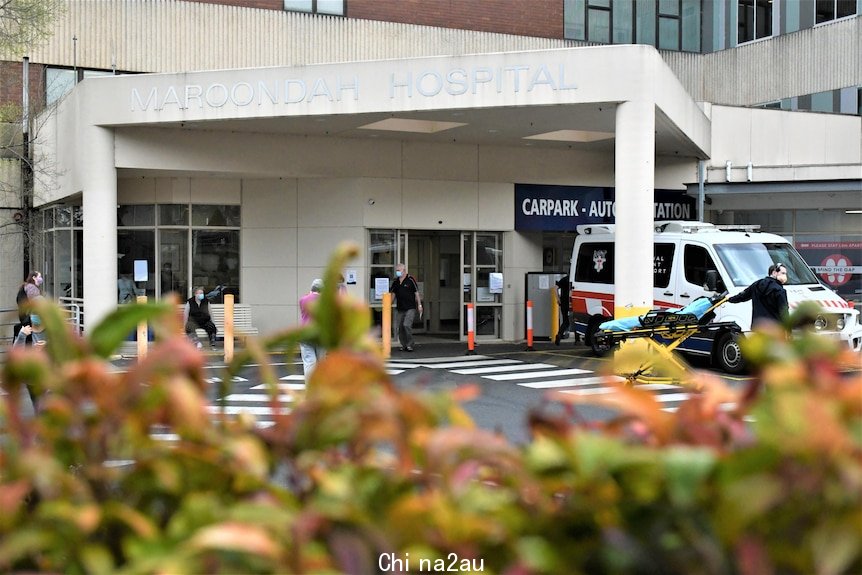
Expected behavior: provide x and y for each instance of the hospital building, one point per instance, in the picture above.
(233, 144)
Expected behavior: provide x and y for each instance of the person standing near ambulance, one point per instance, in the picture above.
(768, 296)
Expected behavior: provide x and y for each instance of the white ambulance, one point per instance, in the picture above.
(691, 258)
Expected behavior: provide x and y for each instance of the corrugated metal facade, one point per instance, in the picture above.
(176, 36)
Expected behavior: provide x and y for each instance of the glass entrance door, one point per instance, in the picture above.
(482, 256)
(451, 269)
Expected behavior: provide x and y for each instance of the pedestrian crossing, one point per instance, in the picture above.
(255, 399)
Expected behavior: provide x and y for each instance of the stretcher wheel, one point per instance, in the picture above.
(599, 350)
(728, 354)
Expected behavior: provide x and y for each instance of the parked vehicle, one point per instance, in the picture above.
(694, 259)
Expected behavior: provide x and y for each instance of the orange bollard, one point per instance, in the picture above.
(386, 326)
(228, 327)
(142, 332)
(529, 325)
(471, 331)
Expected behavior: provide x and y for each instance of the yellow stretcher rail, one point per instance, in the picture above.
(673, 326)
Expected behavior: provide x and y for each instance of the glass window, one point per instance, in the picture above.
(136, 215)
(174, 215)
(215, 262)
(691, 25)
(747, 263)
(662, 265)
(132, 246)
(488, 252)
(173, 258)
(598, 25)
(668, 33)
(331, 7)
(381, 248)
(62, 217)
(773, 221)
(595, 263)
(574, 19)
(844, 8)
(298, 5)
(696, 262)
(835, 259)
(48, 268)
(754, 20)
(817, 220)
(826, 10)
(646, 23)
(78, 272)
(213, 215)
(58, 83)
(668, 7)
(623, 21)
(822, 102)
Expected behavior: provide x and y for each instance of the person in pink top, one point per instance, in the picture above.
(310, 353)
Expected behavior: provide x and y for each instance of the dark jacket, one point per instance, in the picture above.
(199, 312)
(768, 300)
(405, 293)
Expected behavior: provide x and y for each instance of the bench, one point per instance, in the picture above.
(241, 321)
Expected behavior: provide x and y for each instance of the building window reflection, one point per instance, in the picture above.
(184, 246)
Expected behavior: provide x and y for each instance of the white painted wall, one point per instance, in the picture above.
(291, 222)
(784, 146)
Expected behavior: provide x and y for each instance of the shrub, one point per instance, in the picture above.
(359, 475)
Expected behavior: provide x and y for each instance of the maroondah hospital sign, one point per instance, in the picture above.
(427, 83)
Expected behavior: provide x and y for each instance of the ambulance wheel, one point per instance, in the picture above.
(728, 354)
(589, 337)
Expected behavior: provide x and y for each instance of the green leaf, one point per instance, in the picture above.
(686, 470)
(116, 327)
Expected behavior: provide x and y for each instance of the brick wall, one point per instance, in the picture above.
(541, 18)
(11, 81)
(265, 4)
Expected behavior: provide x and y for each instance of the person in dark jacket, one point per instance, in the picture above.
(197, 315)
(767, 295)
(563, 294)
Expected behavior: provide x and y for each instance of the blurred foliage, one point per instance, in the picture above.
(765, 480)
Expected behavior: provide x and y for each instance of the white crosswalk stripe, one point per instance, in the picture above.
(540, 376)
(502, 368)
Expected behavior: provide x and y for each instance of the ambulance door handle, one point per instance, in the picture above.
(684, 295)
(668, 293)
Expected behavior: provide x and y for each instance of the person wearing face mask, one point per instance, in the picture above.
(767, 295)
(196, 315)
(407, 304)
(29, 291)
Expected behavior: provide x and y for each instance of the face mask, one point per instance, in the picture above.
(398, 273)
(38, 280)
(35, 320)
(199, 297)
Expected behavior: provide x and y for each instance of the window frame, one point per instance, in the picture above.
(315, 9)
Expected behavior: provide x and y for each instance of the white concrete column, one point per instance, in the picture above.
(634, 165)
(98, 176)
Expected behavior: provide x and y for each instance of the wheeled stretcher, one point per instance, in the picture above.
(666, 330)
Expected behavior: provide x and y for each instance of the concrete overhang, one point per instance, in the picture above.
(502, 99)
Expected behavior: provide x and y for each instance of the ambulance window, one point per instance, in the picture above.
(696, 262)
(662, 263)
(595, 263)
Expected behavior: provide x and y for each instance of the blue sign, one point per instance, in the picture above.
(561, 208)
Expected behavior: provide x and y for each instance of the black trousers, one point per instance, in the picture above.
(208, 326)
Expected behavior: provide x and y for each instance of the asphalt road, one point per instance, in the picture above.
(512, 381)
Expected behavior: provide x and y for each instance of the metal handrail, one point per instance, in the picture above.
(74, 306)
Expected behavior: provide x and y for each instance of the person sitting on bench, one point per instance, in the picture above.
(196, 315)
